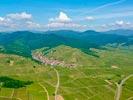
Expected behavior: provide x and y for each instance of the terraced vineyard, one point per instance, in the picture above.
(99, 81)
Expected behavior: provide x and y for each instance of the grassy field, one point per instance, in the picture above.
(99, 81)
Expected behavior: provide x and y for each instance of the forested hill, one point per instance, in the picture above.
(23, 42)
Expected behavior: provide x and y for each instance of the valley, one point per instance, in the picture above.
(80, 82)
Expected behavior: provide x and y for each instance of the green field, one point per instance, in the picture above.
(98, 81)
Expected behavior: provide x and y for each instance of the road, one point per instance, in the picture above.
(58, 83)
(119, 87)
(45, 90)
(12, 93)
(4, 97)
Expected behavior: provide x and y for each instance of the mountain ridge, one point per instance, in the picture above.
(23, 42)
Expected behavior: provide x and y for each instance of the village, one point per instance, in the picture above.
(53, 62)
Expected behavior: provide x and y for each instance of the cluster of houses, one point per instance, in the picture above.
(53, 62)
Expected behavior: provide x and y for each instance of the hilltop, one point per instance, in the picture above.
(67, 56)
(64, 56)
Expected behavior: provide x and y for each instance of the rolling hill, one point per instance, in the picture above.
(94, 82)
(65, 56)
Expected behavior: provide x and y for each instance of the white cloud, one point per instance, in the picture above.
(121, 23)
(31, 24)
(108, 4)
(63, 17)
(64, 25)
(115, 15)
(1, 19)
(18, 21)
(24, 21)
(104, 6)
(63, 21)
(20, 16)
(6, 22)
(117, 24)
(89, 18)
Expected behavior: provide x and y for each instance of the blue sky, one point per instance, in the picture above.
(79, 15)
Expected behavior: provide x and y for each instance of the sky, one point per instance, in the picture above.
(43, 15)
